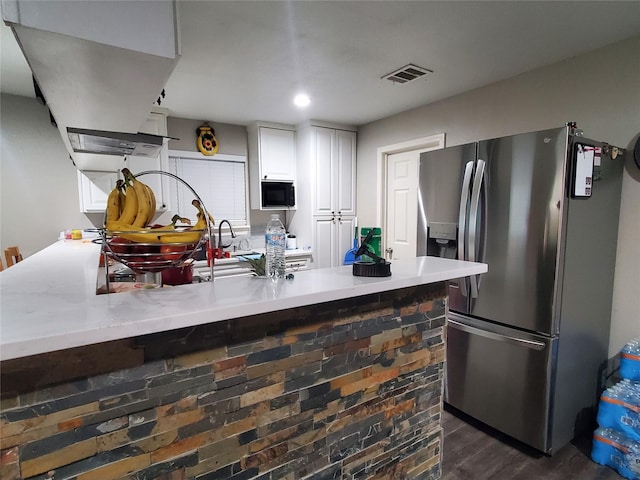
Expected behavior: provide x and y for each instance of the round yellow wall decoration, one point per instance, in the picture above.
(207, 141)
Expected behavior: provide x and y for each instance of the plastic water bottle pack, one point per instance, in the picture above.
(619, 408)
(630, 360)
(614, 449)
(616, 443)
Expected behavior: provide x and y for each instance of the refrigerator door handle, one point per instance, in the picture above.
(473, 222)
(531, 344)
(462, 221)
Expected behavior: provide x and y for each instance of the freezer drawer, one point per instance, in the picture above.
(500, 376)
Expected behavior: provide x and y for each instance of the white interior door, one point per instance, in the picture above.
(402, 205)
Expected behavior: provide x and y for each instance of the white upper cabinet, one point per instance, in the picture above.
(345, 183)
(277, 155)
(333, 157)
(94, 188)
(272, 157)
(99, 65)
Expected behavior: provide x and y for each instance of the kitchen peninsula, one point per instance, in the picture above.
(324, 376)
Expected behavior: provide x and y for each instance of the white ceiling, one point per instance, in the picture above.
(243, 61)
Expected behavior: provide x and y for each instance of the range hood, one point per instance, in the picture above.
(100, 66)
(114, 143)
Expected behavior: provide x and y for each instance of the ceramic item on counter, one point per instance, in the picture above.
(180, 275)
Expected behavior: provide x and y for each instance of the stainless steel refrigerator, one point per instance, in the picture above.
(526, 341)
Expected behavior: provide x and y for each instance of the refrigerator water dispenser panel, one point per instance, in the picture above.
(443, 231)
(441, 241)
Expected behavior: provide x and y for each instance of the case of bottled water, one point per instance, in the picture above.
(619, 409)
(616, 442)
(614, 449)
(630, 360)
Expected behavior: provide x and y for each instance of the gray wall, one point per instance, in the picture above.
(38, 182)
(598, 90)
(232, 139)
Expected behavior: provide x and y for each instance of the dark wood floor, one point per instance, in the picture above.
(473, 451)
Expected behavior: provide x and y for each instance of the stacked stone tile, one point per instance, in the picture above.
(340, 390)
(616, 442)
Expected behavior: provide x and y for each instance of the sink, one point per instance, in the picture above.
(246, 254)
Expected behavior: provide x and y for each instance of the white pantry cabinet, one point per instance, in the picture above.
(333, 154)
(326, 209)
(272, 157)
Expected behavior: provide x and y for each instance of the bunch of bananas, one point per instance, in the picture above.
(131, 207)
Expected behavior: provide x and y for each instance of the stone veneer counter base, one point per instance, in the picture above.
(343, 389)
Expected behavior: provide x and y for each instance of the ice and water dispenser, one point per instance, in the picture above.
(439, 180)
(441, 239)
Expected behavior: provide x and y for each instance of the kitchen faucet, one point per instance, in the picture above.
(233, 235)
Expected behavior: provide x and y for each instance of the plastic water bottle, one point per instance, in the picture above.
(275, 244)
(630, 360)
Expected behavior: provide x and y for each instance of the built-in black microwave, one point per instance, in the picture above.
(278, 194)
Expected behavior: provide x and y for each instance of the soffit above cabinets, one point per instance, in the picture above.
(90, 79)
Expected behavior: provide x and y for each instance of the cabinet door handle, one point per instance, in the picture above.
(265, 177)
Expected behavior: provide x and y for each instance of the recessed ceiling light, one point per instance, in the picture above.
(301, 100)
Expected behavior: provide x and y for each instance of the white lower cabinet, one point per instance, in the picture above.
(333, 238)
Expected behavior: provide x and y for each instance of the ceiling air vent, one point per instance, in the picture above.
(407, 74)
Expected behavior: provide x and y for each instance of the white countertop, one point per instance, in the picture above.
(48, 301)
